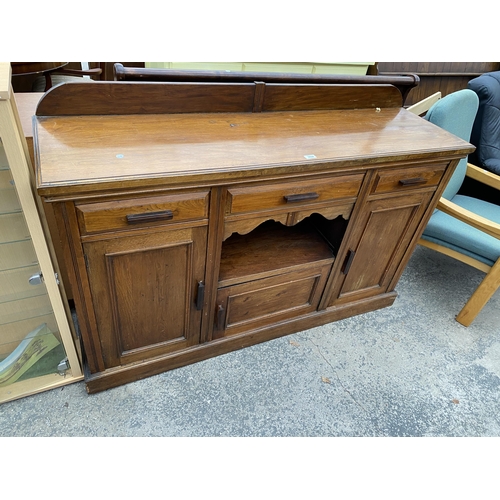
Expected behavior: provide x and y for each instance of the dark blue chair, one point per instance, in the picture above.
(486, 130)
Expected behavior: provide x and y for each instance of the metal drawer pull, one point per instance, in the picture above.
(291, 198)
(150, 217)
(413, 182)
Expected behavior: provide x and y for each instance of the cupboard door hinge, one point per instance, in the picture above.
(86, 259)
(63, 366)
(38, 279)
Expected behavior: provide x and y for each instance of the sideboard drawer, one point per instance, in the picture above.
(142, 212)
(402, 179)
(292, 195)
(262, 302)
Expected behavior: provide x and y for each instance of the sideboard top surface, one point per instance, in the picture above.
(109, 152)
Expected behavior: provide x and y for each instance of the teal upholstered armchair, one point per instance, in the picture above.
(462, 227)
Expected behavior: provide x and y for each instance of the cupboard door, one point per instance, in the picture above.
(144, 290)
(263, 302)
(378, 244)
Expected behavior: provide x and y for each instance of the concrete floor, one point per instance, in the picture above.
(407, 370)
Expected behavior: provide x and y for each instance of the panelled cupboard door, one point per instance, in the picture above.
(377, 245)
(144, 289)
(262, 302)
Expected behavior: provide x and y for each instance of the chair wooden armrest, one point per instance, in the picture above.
(481, 223)
(78, 72)
(483, 176)
(68, 72)
(425, 104)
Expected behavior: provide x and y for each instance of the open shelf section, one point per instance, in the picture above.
(271, 249)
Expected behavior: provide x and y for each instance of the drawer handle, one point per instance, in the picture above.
(415, 181)
(292, 198)
(150, 217)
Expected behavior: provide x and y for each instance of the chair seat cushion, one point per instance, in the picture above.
(446, 230)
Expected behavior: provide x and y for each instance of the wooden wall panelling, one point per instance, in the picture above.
(446, 77)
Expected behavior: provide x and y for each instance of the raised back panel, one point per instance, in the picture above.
(123, 98)
(303, 97)
(129, 98)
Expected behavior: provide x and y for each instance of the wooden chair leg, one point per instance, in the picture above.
(479, 298)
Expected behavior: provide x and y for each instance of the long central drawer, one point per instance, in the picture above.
(292, 195)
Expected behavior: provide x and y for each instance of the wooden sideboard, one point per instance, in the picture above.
(200, 218)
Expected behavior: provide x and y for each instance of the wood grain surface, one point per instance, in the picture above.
(109, 152)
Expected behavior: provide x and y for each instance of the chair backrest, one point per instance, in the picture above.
(455, 113)
(486, 130)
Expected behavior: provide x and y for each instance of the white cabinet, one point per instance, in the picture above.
(37, 347)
